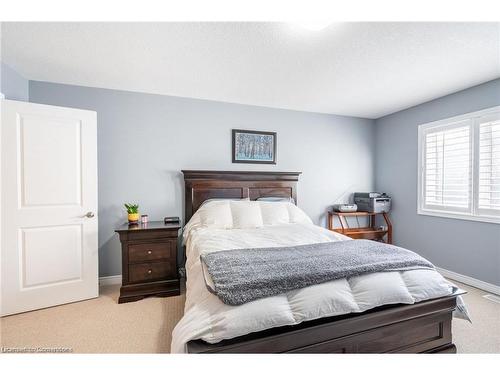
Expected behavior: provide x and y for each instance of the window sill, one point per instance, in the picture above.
(459, 216)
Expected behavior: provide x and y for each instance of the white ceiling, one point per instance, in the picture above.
(358, 69)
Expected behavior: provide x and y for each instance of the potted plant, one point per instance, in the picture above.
(133, 212)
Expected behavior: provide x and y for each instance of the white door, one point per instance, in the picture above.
(49, 206)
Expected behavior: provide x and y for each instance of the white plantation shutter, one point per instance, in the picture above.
(459, 167)
(448, 167)
(489, 165)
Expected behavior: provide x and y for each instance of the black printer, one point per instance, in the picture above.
(372, 202)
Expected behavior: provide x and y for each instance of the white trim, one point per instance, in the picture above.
(472, 214)
(492, 297)
(2, 95)
(491, 288)
(459, 216)
(110, 280)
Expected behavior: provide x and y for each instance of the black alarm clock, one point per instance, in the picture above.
(172, 220)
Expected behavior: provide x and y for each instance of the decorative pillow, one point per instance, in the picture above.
(297, 215)
(216, 214)
(246, 214)
(223, 200)
(276, 199)
(274, 213)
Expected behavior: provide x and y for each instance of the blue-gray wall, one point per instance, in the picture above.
(12, 84)
(145, 140)
(467, 247)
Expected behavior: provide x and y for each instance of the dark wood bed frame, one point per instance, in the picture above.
(423, 327)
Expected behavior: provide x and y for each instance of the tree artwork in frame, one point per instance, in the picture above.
(252, 146)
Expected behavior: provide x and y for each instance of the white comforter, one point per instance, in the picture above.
(206, 317)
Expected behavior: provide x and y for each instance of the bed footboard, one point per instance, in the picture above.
(424, 327)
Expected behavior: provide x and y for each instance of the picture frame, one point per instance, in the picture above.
(253, 146)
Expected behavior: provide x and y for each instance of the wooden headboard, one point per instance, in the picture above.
(203, 185)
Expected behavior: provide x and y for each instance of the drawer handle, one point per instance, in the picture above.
(150, 271)
(149, 252)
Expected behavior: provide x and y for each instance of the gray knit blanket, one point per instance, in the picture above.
(243, 275)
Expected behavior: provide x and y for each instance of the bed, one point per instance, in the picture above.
(399, 317)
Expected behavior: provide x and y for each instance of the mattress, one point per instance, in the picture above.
(206, 317)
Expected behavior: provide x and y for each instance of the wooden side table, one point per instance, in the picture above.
(149, 260)
(370, 232)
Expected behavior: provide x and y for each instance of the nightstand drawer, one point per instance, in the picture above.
(143, 272)
(153, 234)
(152, 251)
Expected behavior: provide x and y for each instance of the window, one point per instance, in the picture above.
(459, 167)
(488, 201)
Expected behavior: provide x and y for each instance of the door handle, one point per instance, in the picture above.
(89, 214)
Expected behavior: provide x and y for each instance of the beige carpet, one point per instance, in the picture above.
(102, 326)
(483, 335)
(98, 325)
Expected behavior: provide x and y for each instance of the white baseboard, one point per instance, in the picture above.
(110, 280)
(117, 279)
(491, 288)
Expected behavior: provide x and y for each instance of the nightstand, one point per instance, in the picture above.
(369, 233)
(149, 260)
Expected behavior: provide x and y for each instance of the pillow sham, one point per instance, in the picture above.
(216, 214)
(276, 199)
(297, 215)
(274, 213)
(223, 200)
(246, 214)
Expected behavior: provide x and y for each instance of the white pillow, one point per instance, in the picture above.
(274, 213)
(223, 200)
(216, 214)
(276, 199)
(246, 214)
(297, 215)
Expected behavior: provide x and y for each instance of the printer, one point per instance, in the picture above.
(372, 202)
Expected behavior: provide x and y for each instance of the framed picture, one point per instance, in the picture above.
(252, 146)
